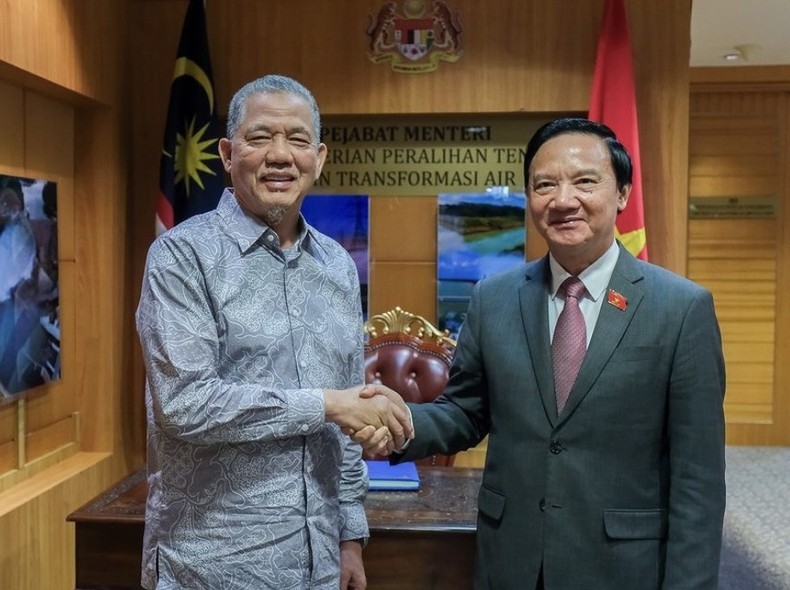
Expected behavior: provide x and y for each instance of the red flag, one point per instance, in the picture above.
(613, 103)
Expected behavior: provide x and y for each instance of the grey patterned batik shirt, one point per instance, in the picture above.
(248, 486)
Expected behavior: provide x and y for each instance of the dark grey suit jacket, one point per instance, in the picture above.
(625, 489)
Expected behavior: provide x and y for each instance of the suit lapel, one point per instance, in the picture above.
(610, 327)
(533, 297)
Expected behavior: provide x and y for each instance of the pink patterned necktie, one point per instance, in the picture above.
(570, 341)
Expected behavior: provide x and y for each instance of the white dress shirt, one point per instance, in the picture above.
(595, 278)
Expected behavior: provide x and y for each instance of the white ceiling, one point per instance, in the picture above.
(759, 28)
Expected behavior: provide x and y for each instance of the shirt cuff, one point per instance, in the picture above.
(355, 522)
(406, 444)
(362, 541)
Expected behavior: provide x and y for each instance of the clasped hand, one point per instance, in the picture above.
(373, 414)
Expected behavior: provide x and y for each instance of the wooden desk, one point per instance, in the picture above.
(419, 540)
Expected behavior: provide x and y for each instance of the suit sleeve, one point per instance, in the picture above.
(695, 427)
(458, 419)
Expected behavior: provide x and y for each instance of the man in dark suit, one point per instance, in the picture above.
(618, 483)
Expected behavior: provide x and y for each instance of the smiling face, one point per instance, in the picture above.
(274, 158)
(573, 198)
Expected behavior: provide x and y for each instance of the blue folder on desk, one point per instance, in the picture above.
(400, 477)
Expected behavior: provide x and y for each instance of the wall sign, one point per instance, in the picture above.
(424, 155)
(757, 207)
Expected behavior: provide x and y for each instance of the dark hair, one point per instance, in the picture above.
(621, 161)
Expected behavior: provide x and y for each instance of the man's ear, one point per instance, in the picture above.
(322, 152)
(622, 197)
(224, 152)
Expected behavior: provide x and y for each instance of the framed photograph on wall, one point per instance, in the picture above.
(29, 295)
(479, 234)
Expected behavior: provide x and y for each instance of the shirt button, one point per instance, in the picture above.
(305, 428)
(556, 447)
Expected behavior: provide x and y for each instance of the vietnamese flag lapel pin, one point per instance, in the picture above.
(616, 299)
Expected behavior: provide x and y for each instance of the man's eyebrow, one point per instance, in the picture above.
(300, 129)
(289, 130)
(588, 172)
(258, 127)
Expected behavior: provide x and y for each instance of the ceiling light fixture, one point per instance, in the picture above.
(742, 52)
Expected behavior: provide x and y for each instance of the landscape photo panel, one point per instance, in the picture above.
(479, 234)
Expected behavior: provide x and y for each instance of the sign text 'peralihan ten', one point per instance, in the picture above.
(424, 155)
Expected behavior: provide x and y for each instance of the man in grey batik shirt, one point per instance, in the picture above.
(251, 327)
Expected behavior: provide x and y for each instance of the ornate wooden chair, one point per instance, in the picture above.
(407, 353)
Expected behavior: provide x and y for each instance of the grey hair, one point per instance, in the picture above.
(270, 84)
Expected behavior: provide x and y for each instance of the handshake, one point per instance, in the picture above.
(373, 415)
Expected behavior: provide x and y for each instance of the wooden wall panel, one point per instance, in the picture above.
(49, 137)
(510, 42)
(661, 57)
(781, 431)
(38, 543)
(105, 304)
(12, 130)
(474, 457)
(62, 114)
(46, 157)
(8, 453)
(12, 147)
(8, 438)
(67, 48)
(32, 32)
(751, 163)
(737, 147)
(49, 153)
(153, 31)
(745, 294)
(724, 185)
(403, 229)
(738, 156)
(752, 399)
(410, 285)
(51, 438)
(403, 252)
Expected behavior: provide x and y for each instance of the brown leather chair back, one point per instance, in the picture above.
(407, 353)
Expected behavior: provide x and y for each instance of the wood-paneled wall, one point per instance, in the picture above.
(85, 85)
(519, 56)
(738, 148)
(61, 118)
